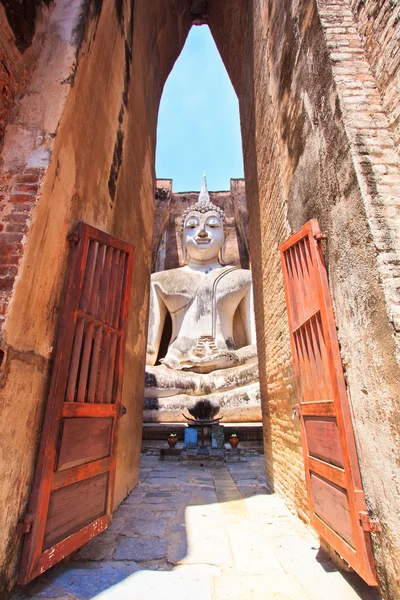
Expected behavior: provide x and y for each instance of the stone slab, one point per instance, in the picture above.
(170, 454)
(154, 527)
(88, 581)
(139, 549)
(100, 548)
(254, 547)
(42, 589)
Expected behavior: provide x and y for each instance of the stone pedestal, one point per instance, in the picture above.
(240, 405)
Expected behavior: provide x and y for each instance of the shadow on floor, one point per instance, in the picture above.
(193, 532)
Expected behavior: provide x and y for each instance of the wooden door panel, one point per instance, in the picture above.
(84, 440)
(331, 504)
(73, 506)
(336, 501)
(73, 489)
(323, 439)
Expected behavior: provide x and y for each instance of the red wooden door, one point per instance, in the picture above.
(72, 496)
(336, 500)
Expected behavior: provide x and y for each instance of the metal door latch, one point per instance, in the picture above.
(295, 412)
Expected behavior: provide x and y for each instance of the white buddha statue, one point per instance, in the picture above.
(205, 298)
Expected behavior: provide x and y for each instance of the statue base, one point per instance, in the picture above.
(240, 405)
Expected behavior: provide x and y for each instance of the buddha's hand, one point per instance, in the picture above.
(222, 360)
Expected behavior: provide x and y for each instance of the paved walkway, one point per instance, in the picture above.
(193, 533)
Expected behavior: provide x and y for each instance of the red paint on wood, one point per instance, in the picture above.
(97, 284)
(83, 376)
(74, 506)
(75, 361)
(323, 439)
(94, 371)
(331, 504)
(88, 410)
(332, 472)
(84, 440)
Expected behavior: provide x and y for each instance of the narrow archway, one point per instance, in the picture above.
(94, 161)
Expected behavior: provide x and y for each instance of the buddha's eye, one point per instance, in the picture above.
(213, 223)
(191, 224)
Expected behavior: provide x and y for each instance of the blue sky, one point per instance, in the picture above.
(198, 121)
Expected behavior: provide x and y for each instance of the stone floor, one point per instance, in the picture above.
(198, 534)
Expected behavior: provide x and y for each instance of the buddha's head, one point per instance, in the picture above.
(203, 230)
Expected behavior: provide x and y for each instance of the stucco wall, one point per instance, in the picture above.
(85, 131)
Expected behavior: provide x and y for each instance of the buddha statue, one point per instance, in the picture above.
(206, 364)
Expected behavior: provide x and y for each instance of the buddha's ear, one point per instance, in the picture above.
(221, 254)
(184, 260)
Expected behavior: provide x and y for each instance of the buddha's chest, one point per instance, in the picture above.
(205, 295)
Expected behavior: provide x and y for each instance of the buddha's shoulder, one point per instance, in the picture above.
(173, 278)
(243, 274)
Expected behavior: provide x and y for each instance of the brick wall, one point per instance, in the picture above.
(18, 196)
(378, 23)
(376, 162)
(317, 144)
(268, 227)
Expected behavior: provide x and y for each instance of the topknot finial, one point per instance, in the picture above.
(204, 195)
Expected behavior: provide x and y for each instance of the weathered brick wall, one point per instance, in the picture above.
(317, 145)
(18, 196)
(268, 227)
(376, 162)
(378, 23)
(162, 210)
(12, 73)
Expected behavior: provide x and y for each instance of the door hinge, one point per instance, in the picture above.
(25, 525)
(123, 410)
(320, 236)
(73, 238)
(367, 523)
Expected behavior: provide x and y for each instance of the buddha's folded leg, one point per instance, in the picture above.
(234, 377)
(161, 382)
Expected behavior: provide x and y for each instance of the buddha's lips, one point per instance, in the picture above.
(202, 240)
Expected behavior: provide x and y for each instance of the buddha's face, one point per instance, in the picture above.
(203, 235)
